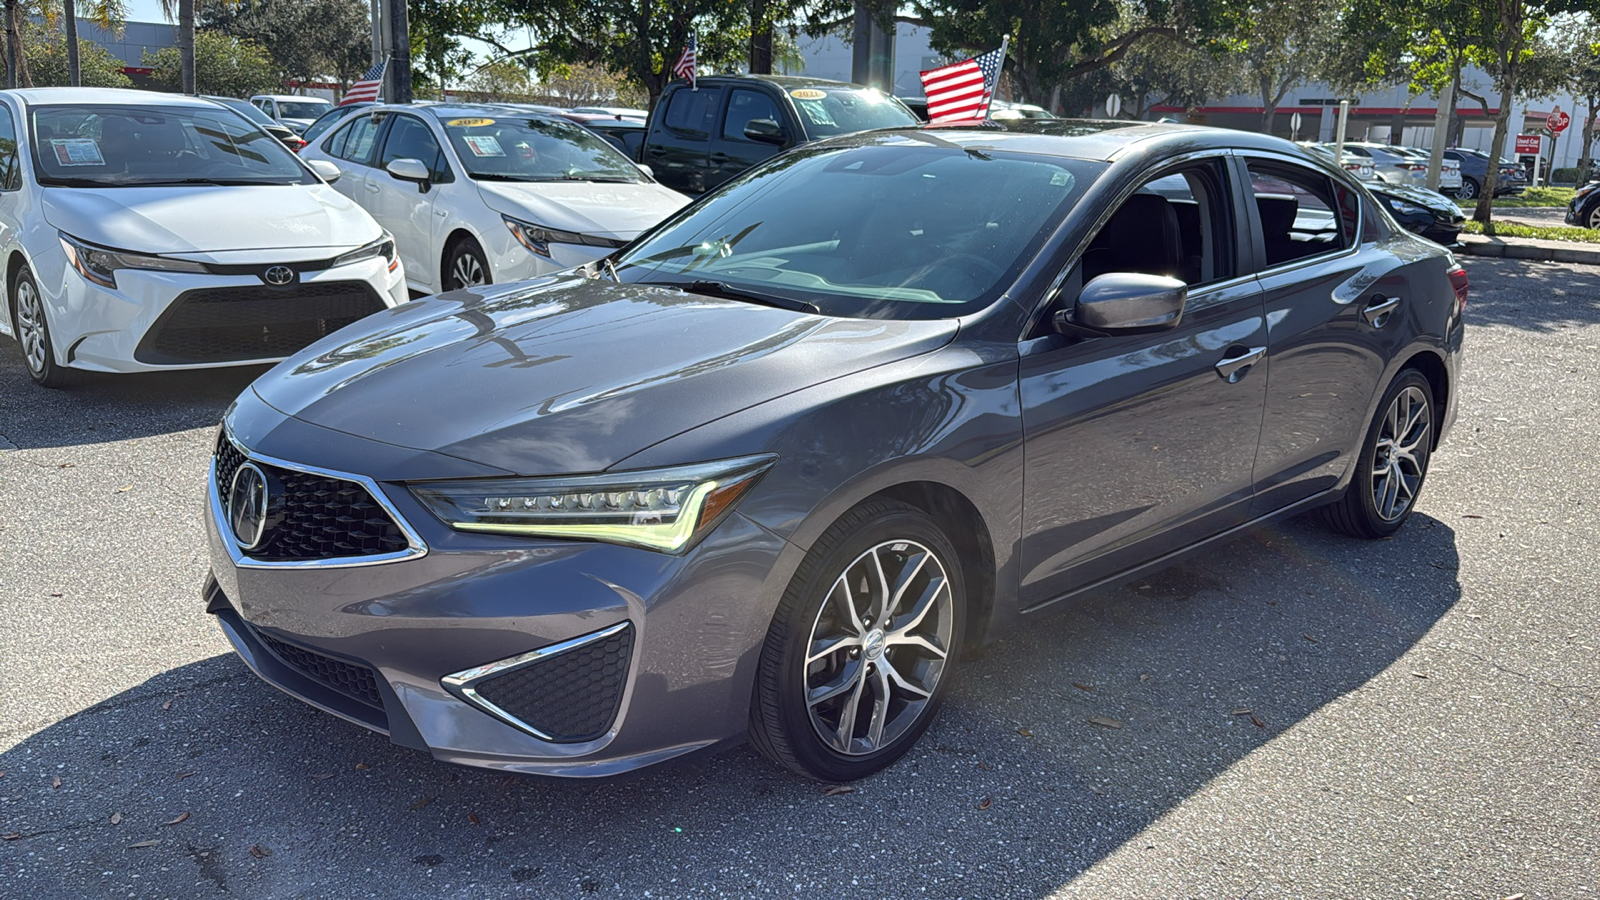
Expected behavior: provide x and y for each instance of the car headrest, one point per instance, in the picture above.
(1277, 214)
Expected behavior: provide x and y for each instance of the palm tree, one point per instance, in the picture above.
(108, 14)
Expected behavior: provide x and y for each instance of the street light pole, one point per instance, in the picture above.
(399, 52)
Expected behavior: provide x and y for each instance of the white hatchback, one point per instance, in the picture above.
(145, 231)
(482, 194)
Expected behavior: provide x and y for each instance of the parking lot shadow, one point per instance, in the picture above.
(1059, 745)
(98, 408)
(1531, 296)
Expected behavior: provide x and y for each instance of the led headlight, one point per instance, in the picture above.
(660, 509)
(383, 247)
(100, 264)
(538, 238)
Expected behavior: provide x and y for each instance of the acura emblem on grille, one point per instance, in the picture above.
(251, 506)
(279, 275)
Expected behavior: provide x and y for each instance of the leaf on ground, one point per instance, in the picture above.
(55, 782)
(1098, 790)
(1143, 678)
(362, 767)
(1470, 516)
(834, 790)
(11, 836)
(983, 767)
(473, 818)
(55, 593)
(116, 818)
(1419, 674)
(66, 465)
(1256, 721)
(421, 802)
(1104, 722)
(322, 776)
(125, 488)
(987, 802)
(259, 852)
(1310, 638)
(1024, 732)
(1514, 897)
(180, 820)
(1242, 711)
(168, 704)
(182, 775)
(142, 845)
(1083, 687)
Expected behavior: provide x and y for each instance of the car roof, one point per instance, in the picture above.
(786, 82)
(301, 97)
(1095, 139)
(126, 96)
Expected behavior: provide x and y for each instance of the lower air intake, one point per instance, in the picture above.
(570, 696)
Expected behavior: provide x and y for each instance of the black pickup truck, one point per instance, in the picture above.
(698, 139)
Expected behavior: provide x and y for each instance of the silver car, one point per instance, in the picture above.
(1390, 164)
(770, 470)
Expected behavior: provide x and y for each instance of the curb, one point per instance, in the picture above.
(1541, 251)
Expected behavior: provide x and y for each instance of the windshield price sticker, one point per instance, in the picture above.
(484, 145)
(469, 123)
(77, 152)
(808, 94)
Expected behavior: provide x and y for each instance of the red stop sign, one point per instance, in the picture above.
(1557, 122)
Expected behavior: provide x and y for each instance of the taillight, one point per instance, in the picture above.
(1458, 281)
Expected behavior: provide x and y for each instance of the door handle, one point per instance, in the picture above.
(719, 157)
(371, 188)
(657, 151)
(1237, 363)
(1377, 312)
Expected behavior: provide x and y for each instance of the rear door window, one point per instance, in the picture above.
(691, 115)
(1300, 212)
(359, 138)
(744, 107)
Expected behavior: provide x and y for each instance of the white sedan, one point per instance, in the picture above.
(148, 231)
(482, 194)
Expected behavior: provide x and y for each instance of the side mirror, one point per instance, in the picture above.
(325, 170)
(409, 170)
(766, 131)
(1126, 303)
(649, 172)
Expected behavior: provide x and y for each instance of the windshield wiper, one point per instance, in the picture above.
(723, 289)
(603, 179)
(220, 182)
(496, 176)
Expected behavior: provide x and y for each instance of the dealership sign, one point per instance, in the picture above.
(1527, 143)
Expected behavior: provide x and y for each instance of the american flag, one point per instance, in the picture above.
(684, 68)
(961, 92)
(366, 90)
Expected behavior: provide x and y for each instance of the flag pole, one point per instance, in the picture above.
(1005, 40)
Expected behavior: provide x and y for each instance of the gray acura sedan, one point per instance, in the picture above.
(766, 472)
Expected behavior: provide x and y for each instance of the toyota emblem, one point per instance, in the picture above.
(278, 275)
(254, 506)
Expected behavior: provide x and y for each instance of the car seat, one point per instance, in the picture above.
(1143, 236)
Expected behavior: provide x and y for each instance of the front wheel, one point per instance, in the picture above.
(33, 332)
(1468, 189)
(1393, 462)
(860, 652)
(1592, 217)
(465, 266)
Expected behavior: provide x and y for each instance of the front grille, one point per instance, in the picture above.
(229, 324)
(323, 517)
(568, 697)
(349, 679)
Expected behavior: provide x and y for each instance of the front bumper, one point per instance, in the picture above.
(695, 626)
(106, 329)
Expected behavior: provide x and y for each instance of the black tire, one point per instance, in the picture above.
(463, 259)
(1365, 512)
(1468, 190)
(783, 725)
(32, 330)
(1591, 216)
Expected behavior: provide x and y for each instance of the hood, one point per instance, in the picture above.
(187, 219)
(570, 375)
(1430, 200)
(618, 211)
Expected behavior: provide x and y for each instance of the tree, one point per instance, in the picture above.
(49, 63)
(1572, 57)
(222, 64)
(1163, 71)
(1288, 44)
(305, 39)
(108, 14)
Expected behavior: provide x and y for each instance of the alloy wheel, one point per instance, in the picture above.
(30, 325)
(1594, 216)
(878, 648)
(1399, 460)
(1468, 189)
(467, 271)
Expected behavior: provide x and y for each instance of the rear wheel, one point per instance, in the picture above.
(33, 332)
(1468, 189)
(1393, 463)
(859, 654)
(465, 266)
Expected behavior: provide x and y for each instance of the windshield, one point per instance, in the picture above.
(128, 146)
(301, 109)
(329, 119)
(506, 146)
(830, 111)
(912, 227)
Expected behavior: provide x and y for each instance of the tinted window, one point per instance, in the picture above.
(10, 166)
(410, 138)
(356, 146)
(1301, 212)
(692, 113)
(1178, 225)
(302, 109)
(896, 230)
(745, 105)
(505, 146)
(328, 120)
(109, 145)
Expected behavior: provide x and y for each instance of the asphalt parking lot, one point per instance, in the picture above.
(1296, 714)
